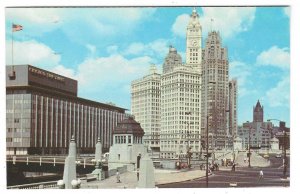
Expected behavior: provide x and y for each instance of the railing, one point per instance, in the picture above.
(42, 185)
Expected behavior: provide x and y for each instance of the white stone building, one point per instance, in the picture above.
(145, 106)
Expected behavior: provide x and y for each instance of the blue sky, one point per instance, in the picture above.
(106, 48)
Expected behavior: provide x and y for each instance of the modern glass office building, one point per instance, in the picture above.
(43, 112)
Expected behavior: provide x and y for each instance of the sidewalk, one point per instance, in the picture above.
(129, 179)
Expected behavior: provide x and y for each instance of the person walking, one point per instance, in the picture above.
(118, 176)
(261, 175)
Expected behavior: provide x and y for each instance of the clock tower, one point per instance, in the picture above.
(194, 40)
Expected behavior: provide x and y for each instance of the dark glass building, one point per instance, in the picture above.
(43, 112)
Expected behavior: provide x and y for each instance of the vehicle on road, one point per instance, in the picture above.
(266, 156)
(278, 156)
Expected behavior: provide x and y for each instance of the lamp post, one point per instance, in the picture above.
(284, 149)
(249, 153)
(189, 154)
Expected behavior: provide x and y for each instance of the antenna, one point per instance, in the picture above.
(211, 23)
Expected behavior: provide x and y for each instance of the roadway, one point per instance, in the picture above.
(242, 177)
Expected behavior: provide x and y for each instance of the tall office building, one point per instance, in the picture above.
(180, 98)
(214, 90)
(191, 91)
(43, 112)
(232, 117)
(145, 106)
(180, 112)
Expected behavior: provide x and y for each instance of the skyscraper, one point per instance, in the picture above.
(145, 106)
(214, 90)
(191, 91)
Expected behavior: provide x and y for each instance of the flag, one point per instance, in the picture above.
(16, 27)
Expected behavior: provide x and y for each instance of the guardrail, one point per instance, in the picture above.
(42, 185)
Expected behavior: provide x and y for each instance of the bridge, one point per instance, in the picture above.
(16, 165)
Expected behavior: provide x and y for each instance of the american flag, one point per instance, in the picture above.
(16, 27)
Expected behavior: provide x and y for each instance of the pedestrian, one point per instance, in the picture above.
(261, 174)
(138, 174)
(118, 176)
(233, 167)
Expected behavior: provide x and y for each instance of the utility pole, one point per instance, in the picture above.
(249, 153)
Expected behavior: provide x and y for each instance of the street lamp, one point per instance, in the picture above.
(189, 154)
(207, 151)
(249, 153)
(284, 149)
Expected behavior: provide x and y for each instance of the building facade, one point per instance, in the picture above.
(256, 134)
(43, 112)
(180, 112)
(232, 110)
(215, 91)
(190, 92)
(145, 106)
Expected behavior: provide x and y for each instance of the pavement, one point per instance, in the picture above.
(166, 176)
(129, 179)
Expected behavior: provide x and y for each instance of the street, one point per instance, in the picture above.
(242, 177)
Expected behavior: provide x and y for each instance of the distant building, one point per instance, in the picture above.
(258, 133)
(145, 106)
(43, 112)
(258, 113)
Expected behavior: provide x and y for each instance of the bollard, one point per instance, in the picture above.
(84, 163)
(53, 161)
(40, 161)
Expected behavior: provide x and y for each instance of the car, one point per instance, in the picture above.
(278, 156)
(266, 156)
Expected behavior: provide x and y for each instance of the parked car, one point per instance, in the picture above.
(266, 156)
(278, 156)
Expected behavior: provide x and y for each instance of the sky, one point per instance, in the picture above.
(107, 48)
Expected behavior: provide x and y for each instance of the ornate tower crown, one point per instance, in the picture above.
(194, 40)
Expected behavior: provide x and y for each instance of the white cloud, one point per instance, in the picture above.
(279, 57)
(157, 48)
(280, 95)
(35, 15)
(242, 72)
(113, 49)
(31, 52)
(179, 26)
(92, 49)
(287, 11)
(113, 70)
(228, 20)
(61, 70)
